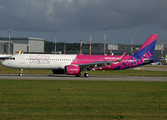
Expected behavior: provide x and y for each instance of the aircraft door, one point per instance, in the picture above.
(22, 59)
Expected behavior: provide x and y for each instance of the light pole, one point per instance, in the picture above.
(9, 43)
(105, 41)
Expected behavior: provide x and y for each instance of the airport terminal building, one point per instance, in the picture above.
(26, 44)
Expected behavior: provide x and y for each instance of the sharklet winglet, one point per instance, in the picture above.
(123, 56)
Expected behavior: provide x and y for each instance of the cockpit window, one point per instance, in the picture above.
(10, 58)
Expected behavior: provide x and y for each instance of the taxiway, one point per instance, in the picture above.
(91, 78)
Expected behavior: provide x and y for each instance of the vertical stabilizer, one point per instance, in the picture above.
(148, 47)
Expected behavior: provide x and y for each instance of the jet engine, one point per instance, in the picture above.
(58, 71)
(72, 70)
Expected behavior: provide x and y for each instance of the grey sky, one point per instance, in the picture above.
(72, 20)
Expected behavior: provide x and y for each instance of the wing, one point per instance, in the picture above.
(91, 66)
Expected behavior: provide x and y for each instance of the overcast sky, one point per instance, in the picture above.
(72, 20)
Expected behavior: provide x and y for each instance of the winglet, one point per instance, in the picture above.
(20, 52)
(122, 56)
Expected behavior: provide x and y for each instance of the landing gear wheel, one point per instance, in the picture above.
(20, 74)
(86, 75)
(78, 75)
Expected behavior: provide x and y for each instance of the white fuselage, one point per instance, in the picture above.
(38, 61)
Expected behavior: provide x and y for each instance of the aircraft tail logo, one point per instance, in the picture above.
(147, 49)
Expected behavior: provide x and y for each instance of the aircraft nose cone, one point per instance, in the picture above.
(5, 63)
(2, 63)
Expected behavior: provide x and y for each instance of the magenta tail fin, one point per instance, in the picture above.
(148, 47)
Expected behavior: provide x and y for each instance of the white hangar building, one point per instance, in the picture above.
(26, 44)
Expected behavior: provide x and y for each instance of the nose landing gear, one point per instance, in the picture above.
(21, 72)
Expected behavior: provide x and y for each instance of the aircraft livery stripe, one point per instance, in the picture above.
(151, 39)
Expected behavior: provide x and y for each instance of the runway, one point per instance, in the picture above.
(91, 78)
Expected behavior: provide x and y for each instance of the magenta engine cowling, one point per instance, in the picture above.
(72, 70)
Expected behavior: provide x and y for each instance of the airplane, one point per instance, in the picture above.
(4, 56)
(75, 64)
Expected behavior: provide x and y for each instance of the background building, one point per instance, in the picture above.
(119, 49)
(26, 44)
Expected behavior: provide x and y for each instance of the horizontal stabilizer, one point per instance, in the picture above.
(151, 60)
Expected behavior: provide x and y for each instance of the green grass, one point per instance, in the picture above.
(79, 100)
(130, 72)
(4, 70)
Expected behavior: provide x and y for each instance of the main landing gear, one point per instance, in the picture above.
(85, 75)
(78, 75)
(21, 72)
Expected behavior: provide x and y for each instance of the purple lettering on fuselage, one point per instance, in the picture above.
(134, 62)
(39, 59)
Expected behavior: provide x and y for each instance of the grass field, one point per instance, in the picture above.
(83, 100)
(95, 100)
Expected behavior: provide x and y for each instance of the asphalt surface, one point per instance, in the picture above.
(91, 78)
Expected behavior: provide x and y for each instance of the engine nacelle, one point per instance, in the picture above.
(72, 70)
(58, 71)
